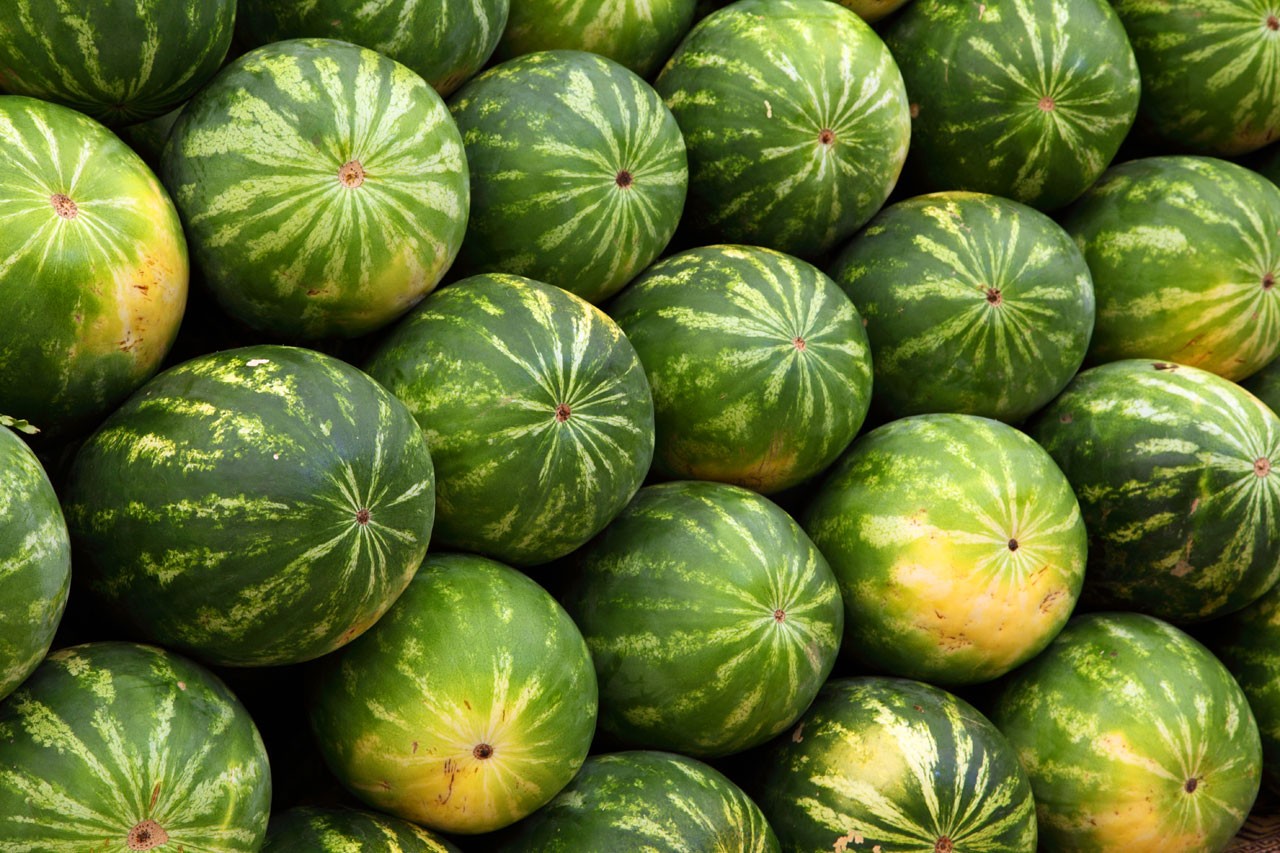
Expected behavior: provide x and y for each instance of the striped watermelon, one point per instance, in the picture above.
(444, 41)
(1185, 254)
(122, 747)
(973, 304)
(759, 365)
(1028, 99)
(119, 61)
(895, 765)
(1135, 738)
(1172, 466)
(536, 410)
(256, 506)
(578, 172)
(310, 829)
(471, 704)
(796, 120)
(323, 186)
(958, 545)
(93, 267)
(711, 618)
(1265, 385)
(644, 801)
(35, 561)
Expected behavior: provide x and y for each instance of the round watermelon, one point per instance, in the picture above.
(1135, 738)
(1265, 385)
(973, 304)
(759, 365)
(256, 506)
(311, 829)
(323, 187)
(470, 705)
(121, 747)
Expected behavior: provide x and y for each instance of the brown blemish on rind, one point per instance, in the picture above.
(1262, 466)
(155, 795)
(798, 734)
(779, 615)
(1164, 365)
(1273, 23)
(1013, 544)
(562, 412)
(362, 516)
(799, 344)
(943, 845)
(351, 175)
(1191, 785)
(994, 296)
(914, 109)
(1268, 281)
(64, 206)
(624, 179)
(145, 835)
(1046, 104)
(482, 751)
(827, 136)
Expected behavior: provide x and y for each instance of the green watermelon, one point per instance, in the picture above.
(323, 187)
(536, 410)
(1185, 254)
(973, 304)
(1028, 99)
(1135, 738)
(1173, 468)
(35, 561)
(759, 365)
(470, 705)
(255, 506)
(119, 61)
(796, 120)
(121, 747)
(895, 765)
(958, 545)
(644, 801)
(93, 276)
(1265, 385)
(310, 829)
(578, 172)
(444, 41)
(711, 618)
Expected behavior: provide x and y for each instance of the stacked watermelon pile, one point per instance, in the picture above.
(785, 425)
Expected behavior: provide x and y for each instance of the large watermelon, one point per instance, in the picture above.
(323, 186)
(1173, 468)
(578, 171)
(759, 365)
(471, 704)
(119, 747)
(1265, 385)
(93, 267)
(310, 829)
(796, 120)
(261, 505)
(711, 618)
(1135, 738)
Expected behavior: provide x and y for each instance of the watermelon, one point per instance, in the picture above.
(958, 544)
(644, 801)
(896, 765)
(711, 618)
(256, 506)
(796, 120)
(1028, 99)
(1135, 738)
(578, 172)
(973, 304)
(470, 705)
(323, 187)
(93, 280)
(445, 42)
(1172, 466)
(311, 829)
(1265, 385)
(536, 410)
(35, 562)
(759, 365)
(119, 61)
(1185, 254)
(118, 747)
(872, 11)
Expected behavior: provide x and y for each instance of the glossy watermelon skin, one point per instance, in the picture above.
(323, 187)
(94, 278)
(899, 765)
(1135, 738)
(536, 410)
(118, 61)
(312, 829)
(1185, 255)
(711, 618)
(256, 506)
(644, 800)
(1172, 466)
(578, 172)
(973, 304)
(796, 120)
(759, 365)
(121, 747)
(470, 705)
(1027, 99)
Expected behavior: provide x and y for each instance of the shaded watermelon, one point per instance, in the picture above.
(1265, 385)
(310, 829)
